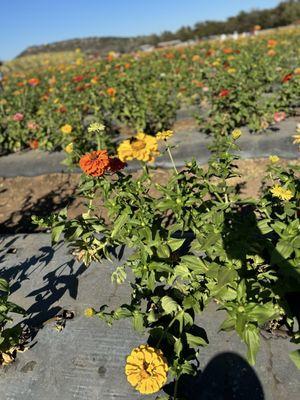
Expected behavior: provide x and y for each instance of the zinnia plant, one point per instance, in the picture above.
(193, 241)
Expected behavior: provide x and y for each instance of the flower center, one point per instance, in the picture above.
(138, 145)
(144, 373)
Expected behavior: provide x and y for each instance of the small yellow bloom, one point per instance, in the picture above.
(281, 193)
(66, 129)
(96, 127)
(164, 135)
(274, 159)
(231, 71)
(69, 148)
(89, 312)
(146, 369)
(236, 133)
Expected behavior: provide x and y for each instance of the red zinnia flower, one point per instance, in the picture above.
(224, 93)
(78, 78)
(287, 78)
(115, 164)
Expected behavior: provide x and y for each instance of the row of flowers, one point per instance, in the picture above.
(252, 82)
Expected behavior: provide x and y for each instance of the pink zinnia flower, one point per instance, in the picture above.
(18, 117)
(279, 116)
(33, 126)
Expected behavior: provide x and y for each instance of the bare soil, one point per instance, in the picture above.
(22, 197)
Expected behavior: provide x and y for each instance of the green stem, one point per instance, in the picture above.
(172, 160)
(99, 142)
(90, 206)
(176, 389)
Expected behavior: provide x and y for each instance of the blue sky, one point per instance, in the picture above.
(28, 22)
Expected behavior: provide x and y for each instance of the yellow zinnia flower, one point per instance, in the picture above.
(69, 148)
(236, 133)
(164, 135)
(146, 369)
(281, 193)
(274, 159)
(142, 147)
(66, 129)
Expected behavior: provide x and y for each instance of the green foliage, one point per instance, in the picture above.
(9, 336)
(195, 243)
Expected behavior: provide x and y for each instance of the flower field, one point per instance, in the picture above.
(179, 243)
(46, 100)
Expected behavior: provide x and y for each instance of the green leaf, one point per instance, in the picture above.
(182, 271)
(119, 222)
(264, 226)
(252, 340)
(122, 312)
(56, 232)
(261, 313)
(160, 267)
(194, 264)
(187, 368)
(175, 244)
(163, 251)
(178, 347)
(295, 357)
(169, 305)
(4, 286)
(228, 324)
(138, 321)
(195, 341)
(284, 248)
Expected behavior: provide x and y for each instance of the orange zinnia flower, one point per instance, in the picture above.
(33, 144)
(95, 163)
(33, 82)
(111, 91)
(272, 43)
(98, 162)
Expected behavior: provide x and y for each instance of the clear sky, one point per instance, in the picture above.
(27, 22)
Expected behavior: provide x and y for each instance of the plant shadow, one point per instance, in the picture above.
(56, 281)
(226, 377)
(20, 220)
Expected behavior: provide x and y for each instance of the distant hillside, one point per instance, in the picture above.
(101, 45)
(286, 13)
